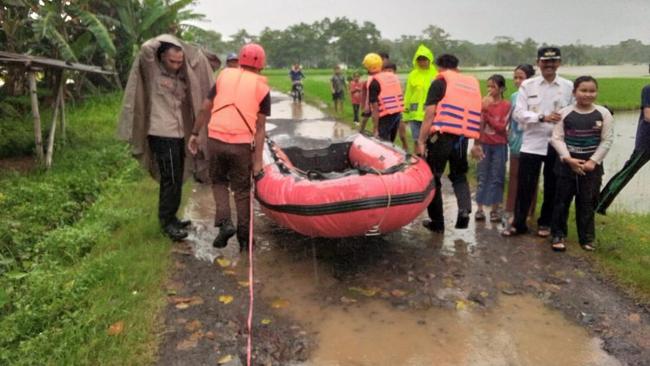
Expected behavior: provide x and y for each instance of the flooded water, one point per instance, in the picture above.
(635, 196)
(302, 278)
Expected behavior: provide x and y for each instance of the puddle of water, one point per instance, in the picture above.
(375, 334)
(283, 107)
(519, 331)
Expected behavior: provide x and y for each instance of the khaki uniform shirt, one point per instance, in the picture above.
(168, 93)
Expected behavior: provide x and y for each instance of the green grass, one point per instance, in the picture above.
(78, 253)
(623, 250)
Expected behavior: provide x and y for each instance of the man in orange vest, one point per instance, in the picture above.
(385, 98)
(236, 109)
(452, 116)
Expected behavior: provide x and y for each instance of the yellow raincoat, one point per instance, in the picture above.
(417, 86)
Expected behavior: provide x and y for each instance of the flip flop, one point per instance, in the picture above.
(509, 231)
(543, 231)
(589, 247)
(558, 247)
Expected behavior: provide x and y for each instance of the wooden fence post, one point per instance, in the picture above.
(50, 140)
(38, 138)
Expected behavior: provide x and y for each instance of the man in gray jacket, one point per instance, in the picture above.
(157, 116)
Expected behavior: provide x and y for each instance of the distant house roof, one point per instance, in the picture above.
(44, 62)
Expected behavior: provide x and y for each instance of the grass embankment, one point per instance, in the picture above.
(623, 250)
(623, 238)
(80, 250)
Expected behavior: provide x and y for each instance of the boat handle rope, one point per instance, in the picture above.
(375, 230)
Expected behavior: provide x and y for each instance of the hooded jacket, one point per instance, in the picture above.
(417, 86)
(134, 121)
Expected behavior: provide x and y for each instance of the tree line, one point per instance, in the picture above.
(326, 42)
(108, 33)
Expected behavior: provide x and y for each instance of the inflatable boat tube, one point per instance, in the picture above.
(355, 187)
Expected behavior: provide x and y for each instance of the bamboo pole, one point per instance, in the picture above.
(63, 122)
(50, 140)
(38, 138)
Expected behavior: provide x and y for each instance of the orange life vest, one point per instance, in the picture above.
(459, 111)
(236, 105)
(391, 98)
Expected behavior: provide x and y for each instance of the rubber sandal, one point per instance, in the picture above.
(479, 216)
(557, 244)
(588, 247)
(509, 231)
(543, 231)
(558, 247)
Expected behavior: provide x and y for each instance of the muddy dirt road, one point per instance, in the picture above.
(468, 297)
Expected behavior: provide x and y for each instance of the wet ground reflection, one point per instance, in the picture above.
(399, 299)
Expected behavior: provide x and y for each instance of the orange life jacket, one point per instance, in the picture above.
(391, 98)
(459, 111)
(236, 105)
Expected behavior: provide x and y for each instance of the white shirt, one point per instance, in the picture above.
(538, 96)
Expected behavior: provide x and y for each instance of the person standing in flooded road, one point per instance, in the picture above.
(385, 98)
(537, 111)
(236, 109)
(159, 105)
(515, 135)
(640, 156)
(452, 116)
(356, 88)
(582, 139)
(401, 131)
(491, 149)
(338, 87)
(417, 85)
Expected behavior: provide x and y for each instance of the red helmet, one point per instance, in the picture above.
(252, 55)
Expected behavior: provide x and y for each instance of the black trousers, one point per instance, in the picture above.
(452, 149)
(529, 168)
(355, 110)
(169, 154)
(638, 159)
(585, 190)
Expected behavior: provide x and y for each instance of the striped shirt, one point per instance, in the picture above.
(586, 135)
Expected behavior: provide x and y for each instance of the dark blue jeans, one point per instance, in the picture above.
(491, 174)
(388, 126)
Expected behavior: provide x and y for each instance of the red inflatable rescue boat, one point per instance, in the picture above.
(359, 186)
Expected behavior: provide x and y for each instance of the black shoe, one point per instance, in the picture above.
(181, 224)
(462, 221)
(226, 231)
(174, 233)
(437, 227)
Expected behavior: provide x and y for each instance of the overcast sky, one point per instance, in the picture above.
(594, 22)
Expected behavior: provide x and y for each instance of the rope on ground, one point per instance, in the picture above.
(249, 347)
